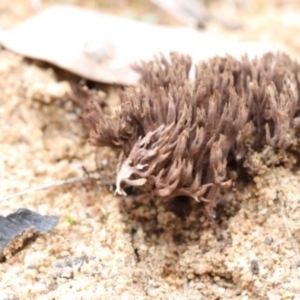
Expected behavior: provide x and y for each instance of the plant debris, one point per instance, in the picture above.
(193, 13)
(102, 47)
(20, 226)
(184, 138)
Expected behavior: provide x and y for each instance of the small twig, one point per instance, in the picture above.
(46, 187)
(193, 13)
(287, 229)
(86, 172)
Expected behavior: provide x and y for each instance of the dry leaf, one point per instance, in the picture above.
(20, 226)
(102, 47)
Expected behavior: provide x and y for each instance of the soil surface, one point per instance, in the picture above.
(107, 247)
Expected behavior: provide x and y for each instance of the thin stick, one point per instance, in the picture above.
(289, 234)
(46, 187)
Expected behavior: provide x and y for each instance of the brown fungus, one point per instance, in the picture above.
(178, 137)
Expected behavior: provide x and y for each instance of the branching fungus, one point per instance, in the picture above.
(179, 137)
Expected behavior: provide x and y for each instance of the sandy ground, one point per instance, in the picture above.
(106, 247)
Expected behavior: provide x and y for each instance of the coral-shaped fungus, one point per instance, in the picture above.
(180, 137)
